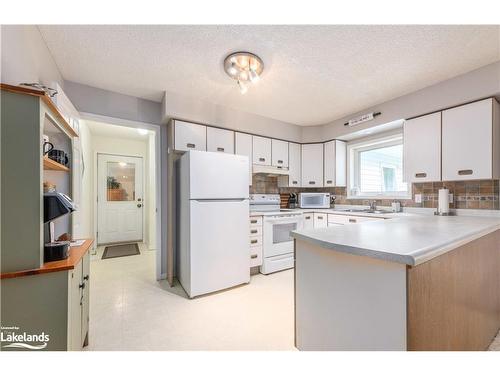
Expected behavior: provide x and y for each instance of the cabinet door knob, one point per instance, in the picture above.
(139, 205)
(86, 277)
(465, 172)
(308, 217)
(253, 256)
(253, 231)
(320, 217)
(81, 286)
(253, 241)
(253, 221)
(294, 182)
(312, 182)
(352, 220)
(190, 145)
(221, 149)
(262, 159)
(329, 181)
(420, 175)
(280, 161)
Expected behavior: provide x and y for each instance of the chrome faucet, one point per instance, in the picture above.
(373, 205)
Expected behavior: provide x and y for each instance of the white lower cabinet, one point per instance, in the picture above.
(308, 220)
(346, 219)
(255, 241)
(320, 220)
(78, 322)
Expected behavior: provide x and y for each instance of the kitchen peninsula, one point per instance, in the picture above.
(415, 282)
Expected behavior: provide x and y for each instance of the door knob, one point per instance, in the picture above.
(139, 205)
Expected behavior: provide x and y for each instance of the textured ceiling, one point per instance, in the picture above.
(312, 75)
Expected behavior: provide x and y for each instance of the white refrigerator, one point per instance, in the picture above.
(213, 222)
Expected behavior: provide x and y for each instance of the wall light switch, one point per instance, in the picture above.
(418, 198)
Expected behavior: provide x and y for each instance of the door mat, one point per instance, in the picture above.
(116, 251)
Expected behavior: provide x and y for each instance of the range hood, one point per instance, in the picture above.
(269, 170)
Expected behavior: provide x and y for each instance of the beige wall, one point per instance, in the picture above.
(480, 83)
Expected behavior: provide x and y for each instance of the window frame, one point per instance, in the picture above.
(353, 150)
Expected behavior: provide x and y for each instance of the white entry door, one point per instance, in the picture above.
(120, 198)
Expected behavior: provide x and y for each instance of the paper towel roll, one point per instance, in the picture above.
(444, 201)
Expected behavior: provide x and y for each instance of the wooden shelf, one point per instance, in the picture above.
(51, 165)
(48, 102)
(76, 253)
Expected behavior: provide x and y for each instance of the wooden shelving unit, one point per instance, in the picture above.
(51, 165)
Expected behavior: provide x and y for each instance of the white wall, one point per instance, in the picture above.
(480, 83)
(25, 57)
(192, 109)
(87, 201)
(128, 147)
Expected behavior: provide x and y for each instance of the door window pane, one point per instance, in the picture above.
(120, 181)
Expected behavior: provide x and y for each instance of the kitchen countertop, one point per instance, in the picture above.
(406, 238)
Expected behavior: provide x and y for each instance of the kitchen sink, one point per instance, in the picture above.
(364, 210)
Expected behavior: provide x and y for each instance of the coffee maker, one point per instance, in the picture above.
(55, 205)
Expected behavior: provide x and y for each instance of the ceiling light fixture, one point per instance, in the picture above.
(244, 67)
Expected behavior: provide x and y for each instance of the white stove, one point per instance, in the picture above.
(278, 223)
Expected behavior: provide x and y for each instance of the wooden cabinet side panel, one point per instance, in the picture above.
(454, 299)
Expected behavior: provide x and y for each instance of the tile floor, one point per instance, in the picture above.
(130, 310)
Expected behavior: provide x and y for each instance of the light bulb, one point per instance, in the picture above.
(254, 77)
(243, 87)
(232, 69)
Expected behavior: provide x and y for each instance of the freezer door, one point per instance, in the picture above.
(217, 175)
(220, 254)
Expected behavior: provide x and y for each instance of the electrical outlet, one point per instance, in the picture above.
(418, 198)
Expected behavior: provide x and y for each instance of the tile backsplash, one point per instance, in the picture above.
(475, 194)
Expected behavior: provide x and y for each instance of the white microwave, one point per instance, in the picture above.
(314, 200)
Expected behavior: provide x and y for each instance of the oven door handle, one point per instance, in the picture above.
(282, 221)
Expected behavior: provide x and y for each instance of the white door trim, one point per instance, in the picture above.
(145, 203)
(161, 253)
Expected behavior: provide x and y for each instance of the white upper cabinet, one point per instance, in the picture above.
(220, 140)
(294, 166)
(422, 148)
(470, 141)
(190, 136)
(335, 163)
(279, 153)
(261, 150)
(243, 146)
(312, 165)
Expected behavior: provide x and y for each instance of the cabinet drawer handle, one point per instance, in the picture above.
(262, 159)
(280, 161)
(254, 241)
(420, 175)
(320, 217)
(253, 256)
(308, 217)
(221, 149)
(352, 221)
(329, 181)
(465, 172)
(190, 145)
(312, 182)
(294, 182)
(253, 231)
(253, 221)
